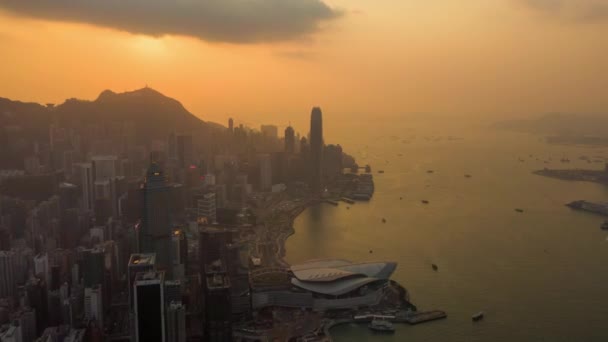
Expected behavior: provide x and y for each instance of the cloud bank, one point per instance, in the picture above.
(574, 10)
(233, 21)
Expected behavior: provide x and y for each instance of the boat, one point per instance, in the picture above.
(477, 317)
(400, 198)
(519, 210)
(425, 202)
(435, 268)
(467, 176)
(380, 171)
(380, 325)
(430, 171)
(604, 225)
(383, 220)
(370, 251)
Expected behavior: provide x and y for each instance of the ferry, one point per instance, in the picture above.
(477, 317)
(381, 326)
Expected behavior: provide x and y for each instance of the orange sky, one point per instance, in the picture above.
(464, 58)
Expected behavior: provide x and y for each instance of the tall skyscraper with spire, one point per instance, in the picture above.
(316, 149)
(290, 140)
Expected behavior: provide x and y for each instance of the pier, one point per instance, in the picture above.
(334, 203)
(422, 317)
(347, 200)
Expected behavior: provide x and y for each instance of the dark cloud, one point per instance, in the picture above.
(235, 21)
(573, 10)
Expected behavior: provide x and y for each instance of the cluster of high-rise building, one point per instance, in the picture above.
(107, 237)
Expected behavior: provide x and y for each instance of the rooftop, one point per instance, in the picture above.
(336, 277)
(142, 259)
(152, 275)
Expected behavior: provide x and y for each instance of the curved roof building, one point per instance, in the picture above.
(339, 277)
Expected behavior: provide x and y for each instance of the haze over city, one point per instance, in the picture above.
(303, 170)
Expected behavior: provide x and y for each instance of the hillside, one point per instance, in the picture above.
(152, 114)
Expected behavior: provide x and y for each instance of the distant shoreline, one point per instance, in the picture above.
(595, 176)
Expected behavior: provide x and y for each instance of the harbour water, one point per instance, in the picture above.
(540, 275)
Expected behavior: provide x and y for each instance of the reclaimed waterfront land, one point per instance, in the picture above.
(276, 214)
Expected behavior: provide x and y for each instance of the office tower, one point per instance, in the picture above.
(180, 253)
(290, 140)
(316, 149)
(173, 291)
(5, 237)
(218, 308)
(304, 148)
(93, 266)
(265, 163)
(231, 125)
(149, 307)
(155, 233)
(93, 304)
(176, 322)
(7, 274)
(270, 131)
(207, 207)
(37, 299)
(172, 147)
(332, 161)
(279, 168)
(139, 263)
(87, 184)
(68, 195)
(185, 151)
(213, 244)
(104, 167)
(41, 266)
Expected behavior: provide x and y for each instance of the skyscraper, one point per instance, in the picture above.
(270, 131)
(176, 322)
(207, 207)
(7, 274)
(149, 307)
(231, 125)
(316, 149)
(139, 263)
(87, 180)
(185, 151)
(156, 230)
(290, 140)
(265, 163)
(218, 307)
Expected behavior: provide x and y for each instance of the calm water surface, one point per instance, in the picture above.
(539, 276)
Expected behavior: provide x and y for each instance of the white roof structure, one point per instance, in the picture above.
(338, 277)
